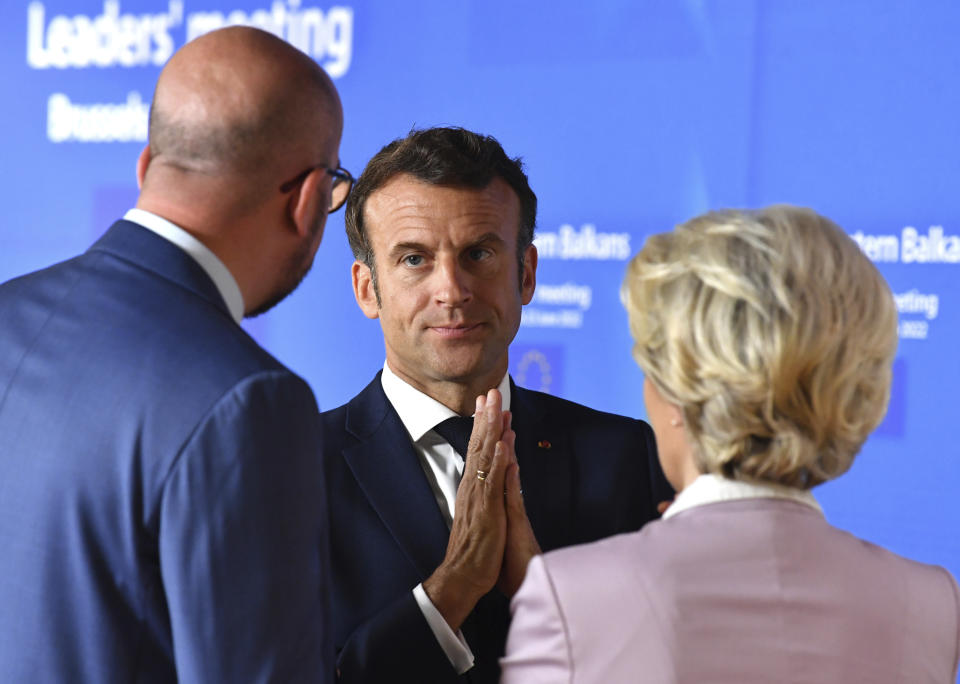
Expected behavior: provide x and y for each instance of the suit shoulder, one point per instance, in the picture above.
(47, 284)
(223, 356)
(928, 596)
(334, 420)
(334, 414)
(370, 397)
(360, 416)
(917, 574)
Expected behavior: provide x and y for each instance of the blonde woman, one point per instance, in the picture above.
(766, 339)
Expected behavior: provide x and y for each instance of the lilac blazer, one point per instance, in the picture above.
(755, 590)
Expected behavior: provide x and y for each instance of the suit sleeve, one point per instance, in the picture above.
(396, 644)
(538, 645)
(243, 540)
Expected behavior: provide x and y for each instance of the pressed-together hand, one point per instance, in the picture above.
(521, 543)
(478, 534)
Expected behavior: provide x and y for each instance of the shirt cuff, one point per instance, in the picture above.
(454, 645)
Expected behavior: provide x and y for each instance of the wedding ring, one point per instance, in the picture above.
(481, 475)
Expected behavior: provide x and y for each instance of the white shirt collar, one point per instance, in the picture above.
(711, 488)
(212, 266)
(419, 412)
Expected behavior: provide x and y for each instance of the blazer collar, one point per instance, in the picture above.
(386, 467)
(203, 255)
(712, 488)
(134, 243)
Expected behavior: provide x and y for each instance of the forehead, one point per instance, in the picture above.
(406, 208)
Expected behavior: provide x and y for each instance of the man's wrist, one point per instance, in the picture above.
(453, 599)
(454, 644)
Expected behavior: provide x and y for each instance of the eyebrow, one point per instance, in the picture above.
(487, 237)
(408, 245)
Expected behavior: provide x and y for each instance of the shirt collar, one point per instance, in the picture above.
(420, 412)
(711, 488)
(212, 266)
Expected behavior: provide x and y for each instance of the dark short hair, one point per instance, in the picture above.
(453, 157)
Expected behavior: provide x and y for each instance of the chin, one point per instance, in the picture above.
(280, 294)
(300, 264)
(462, 368)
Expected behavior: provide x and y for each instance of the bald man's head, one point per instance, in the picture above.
(243, 104)
(238, 113)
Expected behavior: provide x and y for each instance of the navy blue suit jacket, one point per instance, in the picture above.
(160, 508)
(586, 475)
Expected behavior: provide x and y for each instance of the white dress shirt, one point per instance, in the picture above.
(209, 262)
(443, 467)
(710, 488)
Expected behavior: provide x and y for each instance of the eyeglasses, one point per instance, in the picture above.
(342, 183)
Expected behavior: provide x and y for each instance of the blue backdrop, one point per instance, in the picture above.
(631, 117)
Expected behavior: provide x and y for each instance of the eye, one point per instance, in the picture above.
(413, 259)
(479, 253)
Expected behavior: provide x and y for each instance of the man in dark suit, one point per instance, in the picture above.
(160, 515)
(441, 225)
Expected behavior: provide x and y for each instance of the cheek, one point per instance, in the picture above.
(503, 295)
(401, 305)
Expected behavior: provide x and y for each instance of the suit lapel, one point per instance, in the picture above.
(389, 473)
(546, 468)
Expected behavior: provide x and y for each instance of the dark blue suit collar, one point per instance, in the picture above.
(523, 405)
(386, 467)
(134, 243)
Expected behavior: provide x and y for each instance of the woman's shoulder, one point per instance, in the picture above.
(914, 576)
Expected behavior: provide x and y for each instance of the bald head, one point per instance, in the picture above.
(236, 114)
(240, 103)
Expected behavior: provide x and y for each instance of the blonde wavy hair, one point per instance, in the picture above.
(774, 334)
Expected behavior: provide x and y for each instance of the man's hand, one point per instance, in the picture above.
(478, 534)
(521, 543)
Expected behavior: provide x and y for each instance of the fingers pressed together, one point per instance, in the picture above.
(491, 540)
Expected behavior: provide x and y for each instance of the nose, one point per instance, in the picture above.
(451, 282)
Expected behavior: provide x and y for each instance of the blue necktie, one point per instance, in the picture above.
(456, 431)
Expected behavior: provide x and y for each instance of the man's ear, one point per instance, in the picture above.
(363, 289)
(529, 281)
(143, 161)
(304, 203)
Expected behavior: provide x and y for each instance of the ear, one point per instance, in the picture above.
(304, 203)
(363, 290)
(143, 161)
(676, 415)
(529, 282)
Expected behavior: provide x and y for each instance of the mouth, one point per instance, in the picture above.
(455, 331)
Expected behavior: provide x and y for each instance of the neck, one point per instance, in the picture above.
(460, 397)
(688, 473)
(237, 241)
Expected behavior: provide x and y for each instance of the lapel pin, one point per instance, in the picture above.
(544, 444)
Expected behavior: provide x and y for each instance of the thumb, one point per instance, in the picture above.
(514, 492)
(518, 524)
